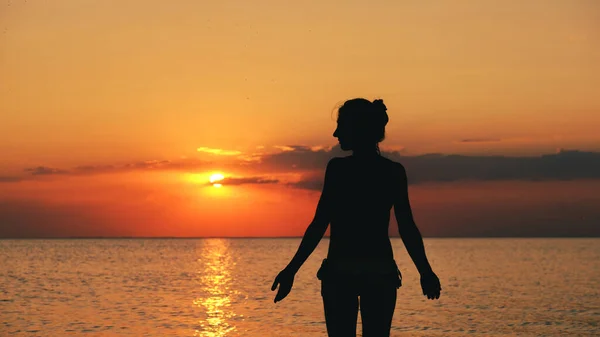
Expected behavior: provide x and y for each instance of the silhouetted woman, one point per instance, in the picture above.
(358, 194)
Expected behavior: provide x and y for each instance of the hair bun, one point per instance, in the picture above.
(381, 109)
(378, 103)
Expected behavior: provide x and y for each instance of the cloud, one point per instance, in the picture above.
(284, 148)
(142, 165)
(299, 157)
(148, 164)
(245, 180)
(299, 148)
(220, 152)
(182, 164)
(10, 179)
(315, 184)
(392, 148)
(44, 170)
(310, 162)
(249, 158)
(564, 165)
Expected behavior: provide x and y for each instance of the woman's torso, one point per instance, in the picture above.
(362, 201)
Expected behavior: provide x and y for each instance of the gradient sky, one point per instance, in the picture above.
(113, 114)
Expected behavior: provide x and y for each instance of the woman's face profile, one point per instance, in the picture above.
(343, 133)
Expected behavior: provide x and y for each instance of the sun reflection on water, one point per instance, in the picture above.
(215, 279)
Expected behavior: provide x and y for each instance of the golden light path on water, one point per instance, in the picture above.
(215, 278)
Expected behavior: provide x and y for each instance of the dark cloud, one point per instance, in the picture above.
(148, 165)
(564, 165)
(188, 164)
(44, 170)
(185, 164)
(245, 180)
(311, 163)
(298, 148)
(95, 169)
(9, 179)
(299, 158)
(308, 184)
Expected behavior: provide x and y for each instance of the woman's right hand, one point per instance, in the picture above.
(431, 286)
(285, 279)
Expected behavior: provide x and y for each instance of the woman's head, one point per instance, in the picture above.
(361, 124)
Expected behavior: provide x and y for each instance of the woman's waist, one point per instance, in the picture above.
(355, 265)
(361, 270)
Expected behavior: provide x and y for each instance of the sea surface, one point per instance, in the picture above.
(221, 287)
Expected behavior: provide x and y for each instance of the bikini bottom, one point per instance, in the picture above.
(359, 276)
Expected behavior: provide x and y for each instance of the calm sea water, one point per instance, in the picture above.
(221, 287)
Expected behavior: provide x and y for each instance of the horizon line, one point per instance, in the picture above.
(279, 237)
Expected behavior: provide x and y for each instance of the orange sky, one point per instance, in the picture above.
(101, 83)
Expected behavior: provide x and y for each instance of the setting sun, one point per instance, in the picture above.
(215, 178)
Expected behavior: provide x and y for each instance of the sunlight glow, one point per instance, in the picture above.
(215, 178)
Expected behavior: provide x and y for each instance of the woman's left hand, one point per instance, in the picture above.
(431, 286)
(285, 280)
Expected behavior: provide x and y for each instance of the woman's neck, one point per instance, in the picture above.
(369, 152)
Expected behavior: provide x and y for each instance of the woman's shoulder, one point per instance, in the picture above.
(334, 165)
(393, 165)
(346, 160)
(338, 161)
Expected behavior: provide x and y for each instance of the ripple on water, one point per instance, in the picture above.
(219, 287)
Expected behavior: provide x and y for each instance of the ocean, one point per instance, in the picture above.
(221, 287)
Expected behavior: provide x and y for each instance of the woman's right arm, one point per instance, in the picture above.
(314, 233)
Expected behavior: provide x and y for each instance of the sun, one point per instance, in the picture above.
(215, 178)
